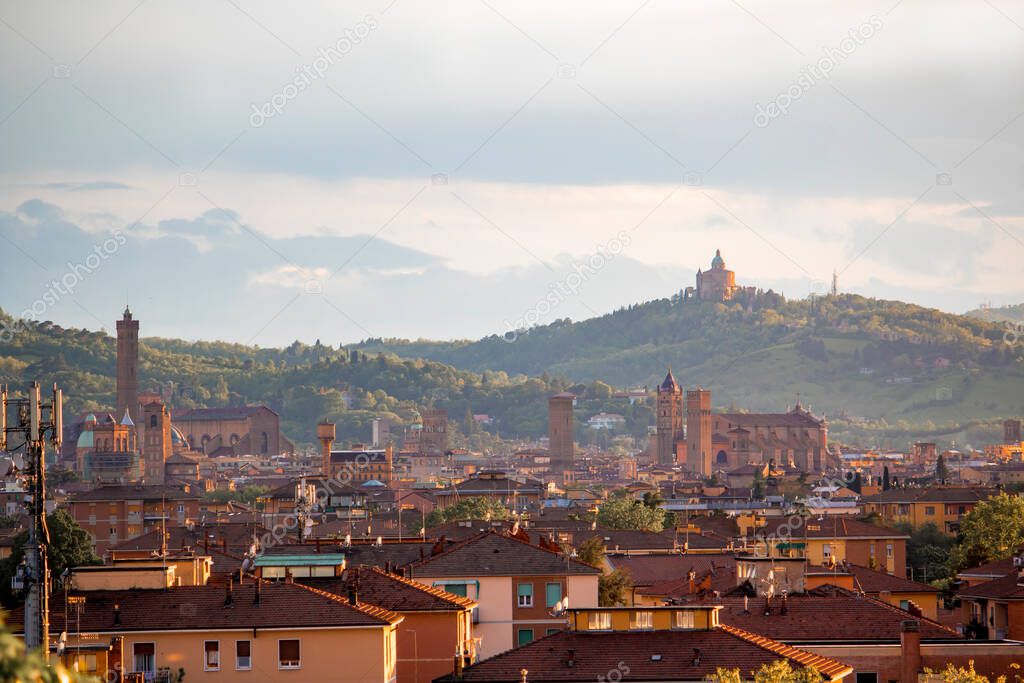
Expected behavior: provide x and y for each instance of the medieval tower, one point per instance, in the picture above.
(560, 428)
(698, 431)
(128, 365)
(669, 420)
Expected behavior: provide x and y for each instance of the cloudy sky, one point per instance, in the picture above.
(260, 172)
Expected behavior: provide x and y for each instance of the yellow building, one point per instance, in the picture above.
(254, 630)
(943, 506)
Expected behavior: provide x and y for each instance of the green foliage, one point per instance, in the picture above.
(779, 671)
(591, 551)
(991, 531)
(248, 495)
(928, 551)
(19, 666)
(70, 546)
(468, 508)
(613, 588)
(967, 674)
(623, 512)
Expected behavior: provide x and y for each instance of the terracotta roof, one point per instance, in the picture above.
(238, 535)
(932, 494)
(831, 526)
(684, 656)
(150, 492)
(1007, 588)
(281, 605)
(790, 419)
(721, 579)
(491, 554)
(646, 570)
(392, 592)
(996, 569)
(873, 581)
(826, 613)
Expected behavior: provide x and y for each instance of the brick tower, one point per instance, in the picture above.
(156, 438)
(669, 420)
(434, 437)
(128, 366)
(698, 431)
(560, 428)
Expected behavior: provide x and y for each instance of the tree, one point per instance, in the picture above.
(591, 551)
(993, 530)
(612, 588)
(960, 674)
(941, 470)
(779, 671)
(469, 508)
(927, 551)
(886, 484)
(623, 512)
(19, 666)
(70, 546)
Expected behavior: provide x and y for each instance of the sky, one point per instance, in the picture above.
(262, 172)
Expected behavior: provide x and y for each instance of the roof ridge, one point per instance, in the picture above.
(387, 616)
(891, 608)
(431, 590)
(826, 665)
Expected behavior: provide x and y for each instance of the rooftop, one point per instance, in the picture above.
(492, 554)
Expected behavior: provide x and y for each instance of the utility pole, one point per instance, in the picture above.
(34, 423)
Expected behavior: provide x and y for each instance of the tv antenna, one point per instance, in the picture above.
(35, 423)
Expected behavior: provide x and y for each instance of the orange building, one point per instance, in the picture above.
(118, 513)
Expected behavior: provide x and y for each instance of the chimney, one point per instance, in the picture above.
(231, 589)
(910, 651)
(288, 578)
(117, 614)
(570, 660)
(458, 665)
(353, 596)
(259, 592)
(696, 656)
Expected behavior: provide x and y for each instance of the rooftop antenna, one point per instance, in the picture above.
(37, 423)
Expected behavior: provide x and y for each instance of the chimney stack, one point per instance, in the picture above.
(259, 592)
(910, 651)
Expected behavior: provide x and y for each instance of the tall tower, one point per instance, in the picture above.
(434, 437)
(156, 439)
(325, 434)
(698, 431)
(560, 427)
(128, 366)
(1011, 431)
(669, 420)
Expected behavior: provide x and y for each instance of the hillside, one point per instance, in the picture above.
(876, 368)
(999, 314)
(303, 383)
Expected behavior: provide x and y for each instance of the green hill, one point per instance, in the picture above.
(883, 371)
(999, 314)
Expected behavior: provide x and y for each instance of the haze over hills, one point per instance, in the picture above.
(1013, 314)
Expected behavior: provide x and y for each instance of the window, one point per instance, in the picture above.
(152, 421)
(243, 655)
(288, 654)
(641, 620)
(888, 550)
(552, 594)
(456, 588)
(144, 658)
(826, 550)
(553, 631)
(683, 619)
(211, 658)
(526, 595)
(905, 605)
(929, 510)
(525, 636)
(868, 677)
(599, 621)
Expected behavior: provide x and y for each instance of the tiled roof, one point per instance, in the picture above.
(646, 570)
(721, 579)
(831, 526)
(995, 569)
(826, 613)
(684, 656)
(150, 492)
(491, 554)
(790, 419)
(873, 581)
(1007, 588)
(281, 605)
(226, 413)
(932, 494)
(239, 536)
(392, 592)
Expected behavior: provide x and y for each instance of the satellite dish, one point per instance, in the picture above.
(6, 465)
(62, 642)
(19, 460)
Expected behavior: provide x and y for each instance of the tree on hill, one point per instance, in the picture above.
(993, 530)
(886, 484)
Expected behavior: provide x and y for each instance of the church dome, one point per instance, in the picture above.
(85, 439)
(718, 261)
(177, 438)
